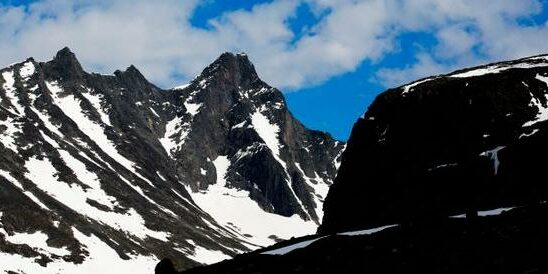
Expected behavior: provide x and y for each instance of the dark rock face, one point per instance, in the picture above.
(446, 145)
(247, 121)
(111, 162)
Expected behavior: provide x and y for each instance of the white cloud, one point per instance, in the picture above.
(158, 38)
(425, 66)
(468, 33)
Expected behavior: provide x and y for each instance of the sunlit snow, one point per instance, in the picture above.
(71, 107)
(500, 68)
(95, 100)
(204, 255)
(10, 92)
(269, 133)
(366, 231)
(494, 155)
(320, 190)
(27, 70)
(192, 108)
(101, 259)
(408, 88)
(36, 240)
(542, 114)
(43, 174)
(286, 249)
(232, 207)
(29, 194)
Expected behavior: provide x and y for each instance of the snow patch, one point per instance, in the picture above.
(499, 68)
(443, 166)
(95, 101)
(36, 240)
(44, 175)
(240, 125)
(154, 112)
(493, 153)
(46, 120)
(524, 135)
(205, 256)
(11, 132)
(320, 189)
(286, 249)
(70, 105)
(485, 213)
(366, 231)
(160, 175)
(233, 208)
(494, 212)
(175, 135)
(338, 159)
(408, 88)
(192, 108)
(181, 87)
(542, 114)
(203, 83)
(269, 133)
(27, 70)
(29, 194)
(10, 92)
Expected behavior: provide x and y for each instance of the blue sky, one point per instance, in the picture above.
(330, 57)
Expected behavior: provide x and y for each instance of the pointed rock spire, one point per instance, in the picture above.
(232, 68)
(65, 65)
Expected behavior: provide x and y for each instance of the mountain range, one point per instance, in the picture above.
(110, 173)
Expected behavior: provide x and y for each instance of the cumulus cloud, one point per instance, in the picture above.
(157, 36)
(467, 33)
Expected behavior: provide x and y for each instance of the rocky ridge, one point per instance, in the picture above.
(110, 172)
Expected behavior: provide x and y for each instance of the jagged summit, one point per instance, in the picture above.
(233, 69)
(65, 64)
(64, 53)
(133, 78)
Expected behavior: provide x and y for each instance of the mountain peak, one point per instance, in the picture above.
(132, 77)
(65, 63)
(234, 68)
(64, 52)
(67, 57)
(133, 71)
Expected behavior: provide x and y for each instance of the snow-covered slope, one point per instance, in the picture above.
(110, 171)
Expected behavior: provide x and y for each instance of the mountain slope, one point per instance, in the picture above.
(99, 169)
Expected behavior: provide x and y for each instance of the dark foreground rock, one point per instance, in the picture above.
(514, 242)
(471, 140)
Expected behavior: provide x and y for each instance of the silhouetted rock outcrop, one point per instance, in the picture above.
(165, 266)
(471, 140)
